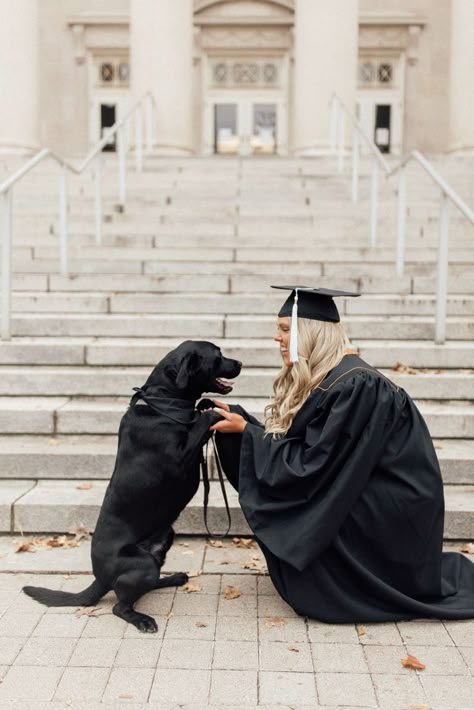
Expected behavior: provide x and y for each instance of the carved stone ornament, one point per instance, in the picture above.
(245, 38)
(377, 36)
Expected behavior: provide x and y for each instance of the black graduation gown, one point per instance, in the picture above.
(348, 506)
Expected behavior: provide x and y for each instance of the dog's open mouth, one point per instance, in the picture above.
(222, 385)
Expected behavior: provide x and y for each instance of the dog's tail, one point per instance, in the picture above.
(54, 597)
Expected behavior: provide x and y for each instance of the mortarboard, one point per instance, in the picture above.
(312, 303)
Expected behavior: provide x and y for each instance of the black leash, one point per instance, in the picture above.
(205, 480)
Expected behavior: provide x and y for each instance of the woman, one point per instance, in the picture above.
(342, 486)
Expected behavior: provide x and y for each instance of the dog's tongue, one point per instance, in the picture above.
(224, 382)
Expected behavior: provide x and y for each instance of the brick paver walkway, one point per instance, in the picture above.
(251, 651)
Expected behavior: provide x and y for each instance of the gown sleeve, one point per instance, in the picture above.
(296, 491)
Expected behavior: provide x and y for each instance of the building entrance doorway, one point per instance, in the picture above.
(245, 128)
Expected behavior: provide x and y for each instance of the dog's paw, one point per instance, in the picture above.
(181, 578)
(205, 405)
(146, 624)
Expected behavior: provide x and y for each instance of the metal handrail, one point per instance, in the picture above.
(95, 155)
(338, 111)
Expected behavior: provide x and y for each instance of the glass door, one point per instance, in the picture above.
(245, 128)
(263, 140)
(226, 135)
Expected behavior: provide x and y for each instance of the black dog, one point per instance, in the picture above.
(155, 476)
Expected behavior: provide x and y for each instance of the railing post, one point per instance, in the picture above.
(138, 140)
(149, 124)
(6, 200)
(333, 124)
(442, 271)
(63, 236)
(355, 165)
(401, 220)
(340, 140)
(121, 166)
(98, 199)
(374, 201)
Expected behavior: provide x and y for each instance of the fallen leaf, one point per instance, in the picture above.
(85, 486)
(194, 573)
(468, 547)
(125, 696)
(412, 662)
(187, 552)
(232, 592)
(423, 706)
(405, 369)
(90, 611)
(293, 648)
(183, 544)
(223, 562)
(274, 621)
(246, 542)
(360, 630)
(439, 446)
(201, 624)
(215, 543)
(169, 615)
(25, 546)
(190, 587)
(53, 442)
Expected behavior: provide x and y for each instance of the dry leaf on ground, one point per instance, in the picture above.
(90, 611)
(194, 573)
(201, 624)
(293, 648)
(360, 630)
(243, 542)
(183, 544)
(187, 552)
(215, 543)
(413, 662)
(274, 621)
(405, 369)
(223, 562)
(191, 587)
(53, 442)
(85, 486)
(169, 615)
(126, 696)
(232, 592)
(25, 546)
(468, 547)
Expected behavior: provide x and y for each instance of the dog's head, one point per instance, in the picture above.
(194, 367)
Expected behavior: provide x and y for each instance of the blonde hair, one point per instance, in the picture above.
(321, 346)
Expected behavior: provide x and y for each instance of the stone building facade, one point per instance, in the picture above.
(238, 76)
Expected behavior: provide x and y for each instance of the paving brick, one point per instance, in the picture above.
(195, 603)
(9, 649)
(177, 653)
(191, 627)
(424, 632)
(227, 686)
(39, 651)
(142, 653)
(104, 626)
(266, 586)
(282, 629)
(60, 626)
(131, 685)
(101, 652)
(287, 688)
(440, 660)
(274, 606)
(399, 691)
(462, 632)
(181, 686)
(155, 603)
(468, 655)
(14, 624)
(338, 658)
(235, 655)
(246, 584)
(235, 628)
(84, 684)
(29, 683)
(345, 689)
(386, 659)
(449, 692)
(319, 632)
(282, 656)
(385, 634)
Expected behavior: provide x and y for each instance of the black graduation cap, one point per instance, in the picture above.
(312, 303)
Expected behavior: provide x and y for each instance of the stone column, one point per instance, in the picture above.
(325, 54)
(19, 76)
(461, 99)
(161, 45)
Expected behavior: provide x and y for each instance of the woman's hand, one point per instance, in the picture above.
(231, 424)
(221, 405)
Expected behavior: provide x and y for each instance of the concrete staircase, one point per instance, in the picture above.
(193, 256)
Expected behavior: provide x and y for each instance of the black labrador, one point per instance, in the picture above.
(155, 476)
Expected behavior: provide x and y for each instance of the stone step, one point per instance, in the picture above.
(217, 326)
(104, 381)
(227, 303)
(73, 456)
(59, 506)
(147, 351)
(101, 415)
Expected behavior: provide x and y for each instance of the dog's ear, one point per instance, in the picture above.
(186, 371)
